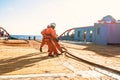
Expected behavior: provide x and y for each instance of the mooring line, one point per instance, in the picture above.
(82, 73)
(102, 69)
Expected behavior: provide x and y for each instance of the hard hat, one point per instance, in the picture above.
(52, 24)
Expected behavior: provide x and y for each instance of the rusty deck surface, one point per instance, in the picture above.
(25, 58)
(108, 56)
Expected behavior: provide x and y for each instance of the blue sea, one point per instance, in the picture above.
(37, 37)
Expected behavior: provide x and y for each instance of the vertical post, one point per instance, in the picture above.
(29, 38)
(34, 37)
(95, 32)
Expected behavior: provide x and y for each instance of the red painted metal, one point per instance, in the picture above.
(5, 31)
(66, 31)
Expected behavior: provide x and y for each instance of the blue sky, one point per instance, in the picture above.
(31, 16)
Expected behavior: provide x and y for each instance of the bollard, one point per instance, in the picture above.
(34, 37)
(29, 38)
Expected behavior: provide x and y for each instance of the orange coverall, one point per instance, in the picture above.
(47, 35)
(56, 42)
(44, 41)
(53, 34)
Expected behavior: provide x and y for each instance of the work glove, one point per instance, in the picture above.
(57, 39)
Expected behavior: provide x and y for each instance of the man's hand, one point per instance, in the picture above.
(57, 39)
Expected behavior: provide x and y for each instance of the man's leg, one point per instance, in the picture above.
(57, 45)
(42, 44)
(52, 48)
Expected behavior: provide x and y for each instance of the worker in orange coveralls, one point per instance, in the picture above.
(44, 41)
(54, 38)
(51, 37)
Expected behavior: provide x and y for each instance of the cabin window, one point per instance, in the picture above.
(71, 33)
(78, 33)
(84, 36)
(91, 33)
(65, 34)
